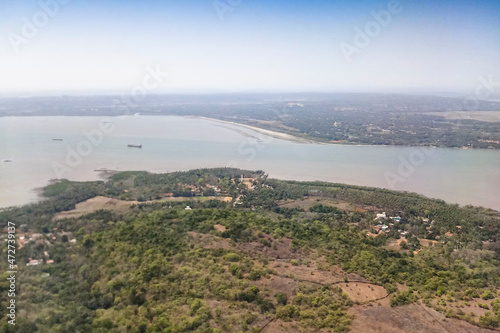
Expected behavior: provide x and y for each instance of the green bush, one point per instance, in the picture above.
(483, 306)
(489, 320)
(287, 312)
(487, 295)
(402, 298)
(281, 298)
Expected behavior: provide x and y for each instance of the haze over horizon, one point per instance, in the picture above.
(248, 46)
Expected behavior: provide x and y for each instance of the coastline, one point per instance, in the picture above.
(297, 139)
(106, 174)
(274, 134)
(323, 158)
(293, 138)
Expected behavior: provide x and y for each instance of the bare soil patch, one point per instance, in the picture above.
(489, 116)
(219, 227)
(361, 293)
(427, 242)
(278, 283)
(287, 274)
(120, 206)
(94, 204)
(461, 307)
(413, 318)
(276, 250)
(279, 326)
(395, 245)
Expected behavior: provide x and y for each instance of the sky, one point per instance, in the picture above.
(105, 46)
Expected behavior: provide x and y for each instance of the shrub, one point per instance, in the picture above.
(287, 312)
(281, 298)
(401, 298)
(233, 257)
(255, 275)
(487, 295)
(489, 320)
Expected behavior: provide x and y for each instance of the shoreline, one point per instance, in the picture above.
(271, 133)
(105, 174)
(297, 139)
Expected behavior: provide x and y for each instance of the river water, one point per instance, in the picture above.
(183, 143)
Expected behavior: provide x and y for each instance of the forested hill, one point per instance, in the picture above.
(228, 250)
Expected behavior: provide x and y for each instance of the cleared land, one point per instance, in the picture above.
(413, 318)
(489, 116)
(302, 270)
(119, 206)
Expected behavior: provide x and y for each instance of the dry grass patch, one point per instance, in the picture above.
(413, 318)
(94, 204)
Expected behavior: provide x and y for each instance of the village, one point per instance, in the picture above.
(43, 240)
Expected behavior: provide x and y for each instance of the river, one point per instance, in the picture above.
(182, 143)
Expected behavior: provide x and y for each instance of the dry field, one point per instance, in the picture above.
(489, 116)
(413, 318)
(120, 206)
(287, 275)
(372, 311)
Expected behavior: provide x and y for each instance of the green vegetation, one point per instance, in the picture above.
(401, 298)
(56, 188)
(375, 119)
(163, 268)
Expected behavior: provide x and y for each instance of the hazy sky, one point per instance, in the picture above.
(249, 45)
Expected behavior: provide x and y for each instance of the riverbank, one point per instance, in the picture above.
(179, 143)
(274, 134)
(298, 139)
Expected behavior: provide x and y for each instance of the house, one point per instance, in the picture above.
(385, 228)
(35, 236)
(34, 262)
(381, 216)
(188, 208)
(22, 242)
(396, 219)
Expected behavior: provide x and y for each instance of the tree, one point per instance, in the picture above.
(281, 298)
